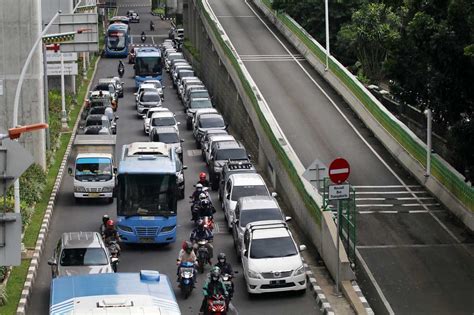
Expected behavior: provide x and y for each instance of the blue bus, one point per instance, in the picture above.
(146, 292)
(147, 193)
(117, 40)
(148, 64)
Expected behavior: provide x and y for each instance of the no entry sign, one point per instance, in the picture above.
(339, 170)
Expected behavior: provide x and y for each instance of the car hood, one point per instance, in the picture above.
(149, 103)
(84, 270)
(275, 264)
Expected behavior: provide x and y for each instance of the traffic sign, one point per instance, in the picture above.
(339, 192)
(56, 57)
(316, 173)
(339, 170)
(55, 69)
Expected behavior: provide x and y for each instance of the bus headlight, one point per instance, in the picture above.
(125, 228)
(168, 228)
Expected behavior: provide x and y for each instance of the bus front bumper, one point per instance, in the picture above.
(147, 234)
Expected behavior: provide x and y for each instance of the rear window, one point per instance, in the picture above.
(200, 94)
(211, 122)
(250, 190)
(150, 97)
(83, 257)
(249, 216)
(200, 103)
(167, 137)
(163, 121)
(93, 122)
(233, 154)
(272, 248)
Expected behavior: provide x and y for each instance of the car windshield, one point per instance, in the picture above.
(98, 110)
(248, 216)
(200, 103)
(168, 137)
(163, 121)
(184, 74)
(147, 66)
(99, 102)
(211, 122)
(83, 257)
(94, 122)
(272, 247)
(175, 56)
(233, 154)
(157, 84)
(147, 195)
(150, 97)
(116, 40)
(250, 190)
(93, 169)
(103, 87)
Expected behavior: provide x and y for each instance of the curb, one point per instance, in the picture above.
(318, 293)
(362, 298)
(35, 260)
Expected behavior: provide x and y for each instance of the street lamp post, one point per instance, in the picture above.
(16, 103)
(326, 9)
(428, 114)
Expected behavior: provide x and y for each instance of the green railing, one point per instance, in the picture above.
(441, 172)
(309, 202)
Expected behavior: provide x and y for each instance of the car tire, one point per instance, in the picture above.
(188, 125)
(110, 200)
(181, 194)
(198, 144)
(78, 200)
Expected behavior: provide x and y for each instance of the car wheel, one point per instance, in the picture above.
(110, 200)
(181, 194)
(198, 144)
(188, 125)
(78, 200)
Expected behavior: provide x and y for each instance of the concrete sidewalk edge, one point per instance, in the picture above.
(356, 298)
(35, 261)
(318, 293)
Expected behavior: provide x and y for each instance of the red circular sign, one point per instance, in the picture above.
(339, 170)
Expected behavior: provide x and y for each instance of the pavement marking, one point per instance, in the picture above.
(235, 16)
(398, 211)
(407, 246)
(193, 152)
(270, 57)
(400, 180)
(389, 186)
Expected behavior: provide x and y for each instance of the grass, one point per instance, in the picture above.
(17, 278)
(14, 287)
(159, 11)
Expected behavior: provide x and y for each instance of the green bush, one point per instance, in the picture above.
(3, 273)
(159, 11)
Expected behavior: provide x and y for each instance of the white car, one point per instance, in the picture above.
(242, 185)
(157, 85)
(270, 258)
(149, 87)
(147, 117)
(215, 139)
(163, 119)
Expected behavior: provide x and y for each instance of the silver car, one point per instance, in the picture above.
(80, 253)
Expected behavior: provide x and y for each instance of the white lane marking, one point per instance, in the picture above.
(382, 205)
(235, 16)
(407, 246)
(389, 186)
(152, 40)
(417, 204)
(397, 211)
(268, 60)
(400, 180)
(368, 199)
(131, 40)
(193, 152)
(391, 193)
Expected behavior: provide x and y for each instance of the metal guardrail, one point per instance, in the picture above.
(410, 143)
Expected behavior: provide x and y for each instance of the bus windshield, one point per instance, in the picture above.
(147, 195)
(116, 40)
(93, 169)
(147, 66)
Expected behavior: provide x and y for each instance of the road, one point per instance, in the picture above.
(69, 216)
(422, 262)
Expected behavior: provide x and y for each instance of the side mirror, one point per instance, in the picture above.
(135, 93)
(116, 118)
(274, 194)
(227, 197)
(52, 262)
(163, 87)
(69, 171)
(178, 123)
(302, 248)
(245, 253)
(249, 156)
(185, 167)
(181, 140)
(288, 219)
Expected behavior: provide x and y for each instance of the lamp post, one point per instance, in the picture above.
(326, 9)
(16, 103)
(428, 114)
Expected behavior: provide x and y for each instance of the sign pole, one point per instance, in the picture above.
(46, 97)
(84, 66)
(63, 97)
(338, 292)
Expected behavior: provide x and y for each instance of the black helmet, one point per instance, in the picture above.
(221, 258)
(215, 273)
(200, 223)
(105, 218)
(204, 202)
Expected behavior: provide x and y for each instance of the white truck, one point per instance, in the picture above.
(94, 168)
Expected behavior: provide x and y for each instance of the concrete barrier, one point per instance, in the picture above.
(237, 96)
(463, 209)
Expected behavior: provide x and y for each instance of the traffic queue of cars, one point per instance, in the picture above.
(270, 257)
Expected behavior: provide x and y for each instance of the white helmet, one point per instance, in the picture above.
(202, 196)
(198, 186)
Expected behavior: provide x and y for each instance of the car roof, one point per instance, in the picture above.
(258, 202)
(271, 233)
(147, 86)
(243, 179)
(210, 115)
(150, 91)
(162, 114)
(229, 144)
(96, 117)
(165, 129)
(81, 239)
(216, 132)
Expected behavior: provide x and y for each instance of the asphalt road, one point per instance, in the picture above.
(69, 216)
(421, 260)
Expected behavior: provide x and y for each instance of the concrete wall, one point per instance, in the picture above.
(20, 26)
(390, 143)
(229, 96)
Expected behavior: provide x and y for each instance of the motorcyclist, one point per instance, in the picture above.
(186, 254)
(201, 233)
(103, 226)
(197, 192)
(152, 26)
(143, 36)
(121, 68)
(203, 180)
(223, 265)
(205, 209)
(110, 233)
(213, 286)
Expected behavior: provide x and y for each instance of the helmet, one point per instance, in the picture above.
(202, 176)
(105, 218)
(204, 202)
(200, 223)
(199, 186)
(110, 223)
(188, 247)
(215, 273)
(221, 258)
(202, 196)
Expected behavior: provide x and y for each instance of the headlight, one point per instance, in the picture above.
(108, 189)
(125, 228)
(167, 228)
(79, 189)
(299, 271)
(254, 275)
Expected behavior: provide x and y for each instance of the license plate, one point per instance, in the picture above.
(276, 282)
(218, 302)
(94, 194)
(147, 239)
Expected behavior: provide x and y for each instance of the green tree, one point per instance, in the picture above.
(373, 31)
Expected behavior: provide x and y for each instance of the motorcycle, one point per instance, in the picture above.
(121, 72)
(202, 254)
(143, 38)
(186, 278)
(114, 251)
(216, 305)
(152, 26)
